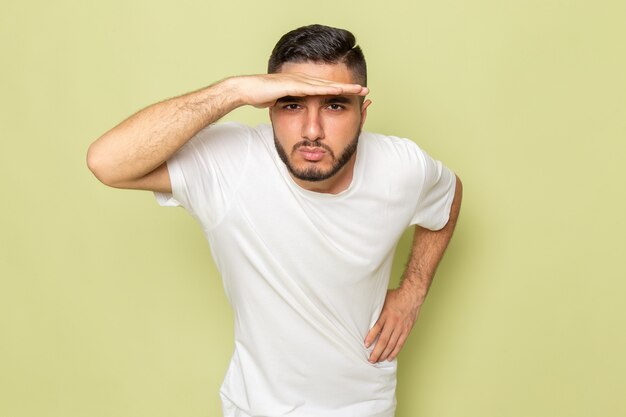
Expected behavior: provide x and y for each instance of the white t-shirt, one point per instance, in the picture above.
(305, 272)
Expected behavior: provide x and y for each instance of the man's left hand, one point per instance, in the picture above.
(393, 326)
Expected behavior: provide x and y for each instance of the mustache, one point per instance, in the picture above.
(312, 144)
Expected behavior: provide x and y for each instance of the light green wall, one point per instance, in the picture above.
(110, 306)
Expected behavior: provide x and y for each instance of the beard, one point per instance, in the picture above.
(312, 172)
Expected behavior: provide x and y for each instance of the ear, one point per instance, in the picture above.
(364, 107)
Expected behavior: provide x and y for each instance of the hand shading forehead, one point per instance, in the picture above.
(339, 99)
(338, 72)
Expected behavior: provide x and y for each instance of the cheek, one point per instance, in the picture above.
(342, 126)
(285, 133)
(285, 124)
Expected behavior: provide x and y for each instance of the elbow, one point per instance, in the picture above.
(459, 184)
(458, 196)
(458, 193)
(98, 167)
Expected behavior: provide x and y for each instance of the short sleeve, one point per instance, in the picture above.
(436, 194)
(207, 170)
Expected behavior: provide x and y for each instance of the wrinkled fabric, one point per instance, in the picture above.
(306, 273)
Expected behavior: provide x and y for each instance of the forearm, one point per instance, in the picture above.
(427, 251)
(141, 143)
(125, 155)
(402, 305)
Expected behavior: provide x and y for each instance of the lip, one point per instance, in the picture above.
(312, 154)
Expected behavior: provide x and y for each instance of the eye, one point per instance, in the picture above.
(335, 107)
(291, 106)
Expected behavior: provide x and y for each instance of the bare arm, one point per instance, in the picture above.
(133, 153)
(402, 305)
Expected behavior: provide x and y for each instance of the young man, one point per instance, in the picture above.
(302, 217)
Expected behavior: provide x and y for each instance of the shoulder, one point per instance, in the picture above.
(388, 149)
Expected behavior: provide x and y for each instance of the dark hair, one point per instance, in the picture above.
(318, 43)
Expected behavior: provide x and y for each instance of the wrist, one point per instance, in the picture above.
(413, 291)
(233, 89)
(214, 101)
(230, 92)
(239, 90)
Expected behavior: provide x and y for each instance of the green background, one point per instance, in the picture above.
(110, 305)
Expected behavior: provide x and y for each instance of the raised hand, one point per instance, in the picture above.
(125, 155)
(263, 90)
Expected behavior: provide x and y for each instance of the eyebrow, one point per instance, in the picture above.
(290, 99)
(337, 99)
(327, 99)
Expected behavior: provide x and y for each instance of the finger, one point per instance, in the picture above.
(346, 88)
(354, 89)
(381, 344)
(393, 341)
(315, 80)
(319, 90)
(399, 345)
(332, 89)
(374, 331)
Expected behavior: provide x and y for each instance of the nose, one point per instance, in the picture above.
(312, 128)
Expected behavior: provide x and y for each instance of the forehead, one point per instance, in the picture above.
(334, 72)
